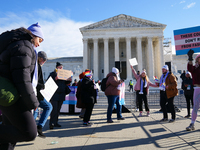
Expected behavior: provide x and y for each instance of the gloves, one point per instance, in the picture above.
(190, 53)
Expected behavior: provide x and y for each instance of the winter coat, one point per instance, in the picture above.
(17, 63)
(60, 94)
(79, 103)
(188, 81)
(138, 83)
(112, 84)
(40, 84)
(195, 73)
(88, 93)
(172, 86)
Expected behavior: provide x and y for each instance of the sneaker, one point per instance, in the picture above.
(137, 110)
(188, 116)
(148, 115)
(90, 123)
(39, 130)
(163, 120)
(51, 126)
(140, 115)
(81, 117)
(57, 125)
(171, 120)
(190, 127)
(121, 118)
(109, 121)
(87, 124)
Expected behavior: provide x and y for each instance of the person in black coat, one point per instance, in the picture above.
(88, 96)
(187, 86)
(18, 64)
(58, 97)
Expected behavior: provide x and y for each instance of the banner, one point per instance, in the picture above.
(122, 94)
(186, 39)
(71, 97)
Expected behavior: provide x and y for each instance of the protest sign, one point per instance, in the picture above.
(64, 74)
(186, 39)
(133, 62)
(50, 88)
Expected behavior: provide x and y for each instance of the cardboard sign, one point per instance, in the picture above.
(133, 62)
(186, 39)
(64, 74)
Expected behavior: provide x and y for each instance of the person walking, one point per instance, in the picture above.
(168, 90)
(142, 89)
(112, 92)
(187, 86)
(18, 64)
(58, 97)
(88, 96)
(195, 71)
(130, 85)
(44, 104)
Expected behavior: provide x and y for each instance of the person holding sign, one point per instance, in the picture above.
(58, 97)
(195, 71)
(168, 90)
(142, 89)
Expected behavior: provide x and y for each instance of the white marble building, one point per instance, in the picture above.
(121, 38)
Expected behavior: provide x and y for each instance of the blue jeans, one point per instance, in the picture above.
(112, 99)
(47, 108)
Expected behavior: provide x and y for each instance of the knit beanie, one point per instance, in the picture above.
(36, 30)
(197, 57)
(165, 67)
(43, 55)
(115, 70)
(58, 64)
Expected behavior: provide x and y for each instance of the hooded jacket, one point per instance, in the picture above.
(17, 63)
(112, 84)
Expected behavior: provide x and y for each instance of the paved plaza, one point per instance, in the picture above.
(133, 133)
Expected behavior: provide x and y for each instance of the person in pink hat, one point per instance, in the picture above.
(195, 71)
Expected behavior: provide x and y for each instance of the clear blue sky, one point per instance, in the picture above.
(61, 19)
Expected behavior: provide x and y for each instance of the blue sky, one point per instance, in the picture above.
(61, 19)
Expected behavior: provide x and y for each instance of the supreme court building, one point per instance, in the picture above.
(114, 41)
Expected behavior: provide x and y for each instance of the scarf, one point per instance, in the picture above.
(162, 82)
(35, 75)
(142, 85)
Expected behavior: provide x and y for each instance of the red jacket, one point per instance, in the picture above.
(112, 84)
(195, 73)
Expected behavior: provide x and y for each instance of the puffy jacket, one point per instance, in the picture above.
(88, 93)
(17, 63)
(112, 84)
(40, 84)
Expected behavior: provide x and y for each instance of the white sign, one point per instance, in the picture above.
(133, 62)
(50, 88)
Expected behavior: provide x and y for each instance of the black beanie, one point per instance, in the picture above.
(58, 64)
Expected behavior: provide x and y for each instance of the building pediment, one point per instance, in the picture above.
(123, 21)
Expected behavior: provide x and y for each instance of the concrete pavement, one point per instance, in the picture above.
(133, 133)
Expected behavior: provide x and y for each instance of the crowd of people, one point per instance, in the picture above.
(22, 65)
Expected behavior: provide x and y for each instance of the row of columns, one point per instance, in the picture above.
(150, 56)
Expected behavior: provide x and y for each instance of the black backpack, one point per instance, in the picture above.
(103, 84)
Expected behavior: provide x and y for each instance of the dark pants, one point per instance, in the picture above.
(137, 102)
(188, 99)
(55, 112)
(131, 88)
(170, 101)
(88, 111)
(18, 125)
(141, 98)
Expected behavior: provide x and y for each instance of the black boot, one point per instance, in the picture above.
(40, 134)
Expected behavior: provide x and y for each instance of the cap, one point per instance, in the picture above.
(43, 55)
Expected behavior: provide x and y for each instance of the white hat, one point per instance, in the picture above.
(115, 70)
(165, 67)
(189, 74)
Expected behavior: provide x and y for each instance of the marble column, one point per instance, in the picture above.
(161, 60)
(85, 54)
(139, 53)
(106, 57)
(128, 56)
(116, 49)
(150, 58)
(95, 60)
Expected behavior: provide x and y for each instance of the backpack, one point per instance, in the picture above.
(103, 84)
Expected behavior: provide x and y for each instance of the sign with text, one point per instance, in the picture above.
(64, 74)
(133, 62)
(186, 39)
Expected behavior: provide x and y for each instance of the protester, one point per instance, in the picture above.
(187, 86)
(183, 75)
(130, 85)
(58, 97)
(18, 64)
(195, 71)
(142, 89)
(44, 104)
(88, 96)
(112, 92)
(168, 90)
(79, 103)
(136, 98)
(75, 83)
